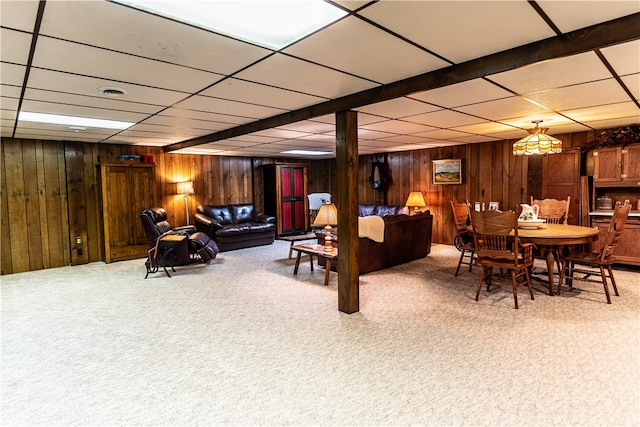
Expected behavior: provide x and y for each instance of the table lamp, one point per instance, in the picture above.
(185, 188)
(328, 214)
(415, 201)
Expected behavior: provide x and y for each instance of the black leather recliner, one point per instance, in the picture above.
(197, 247)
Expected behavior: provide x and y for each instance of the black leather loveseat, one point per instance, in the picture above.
(235, 226)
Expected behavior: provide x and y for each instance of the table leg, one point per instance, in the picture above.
(311, 261)
(550, 263)
(290, 250)
(327, 270)
(295, 270)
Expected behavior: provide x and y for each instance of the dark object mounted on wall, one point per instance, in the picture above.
(377, 178)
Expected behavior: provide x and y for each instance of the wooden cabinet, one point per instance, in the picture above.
(628, 249)
(125, 190)
(285, 196)
(617, 164)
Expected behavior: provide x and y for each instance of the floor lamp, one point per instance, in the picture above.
(185, 188)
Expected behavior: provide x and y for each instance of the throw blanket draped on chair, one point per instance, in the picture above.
(371, 227)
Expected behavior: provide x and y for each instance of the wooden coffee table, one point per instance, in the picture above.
(318, 251)
(297, 238)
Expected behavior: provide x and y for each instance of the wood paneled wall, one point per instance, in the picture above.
(50, 194)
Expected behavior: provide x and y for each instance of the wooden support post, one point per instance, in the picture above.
(347, 204)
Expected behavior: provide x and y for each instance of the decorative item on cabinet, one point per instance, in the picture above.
(285, 196)
(125, 190)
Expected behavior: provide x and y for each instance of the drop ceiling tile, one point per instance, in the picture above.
(324, 138)
(442, 134)
(12, 74)
(81, 111)
(582, 95)
(294, 74)
(9, 103)
(632, 82)
(281, 133)
(611, 111)
(223, 106)
(548, 120)
(20, 15)
(612, 123)
(444, 119)
(624, 58)
(398, 126)
(404, 139)
(552, 74)
(502, 109)
(181, 122)
(465, 93)
(462, 30)
(352, 4)
(10, 91)
(90, 101)
(155, 37)
(253, 93)
(14, 46)
(355, 46)
(63, 56)
(81, 85)
(253, 138)
(364, 133)
(309, 126)
(572, 15)
(486, 128)
(204, 115)
(396, 108)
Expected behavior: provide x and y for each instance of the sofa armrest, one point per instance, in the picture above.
(267, 219)
(207, 224)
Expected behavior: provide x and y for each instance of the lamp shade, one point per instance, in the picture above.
(537, 142)
(185, 187)
(327, 215)
(415, 200)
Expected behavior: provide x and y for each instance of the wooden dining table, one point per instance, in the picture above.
(552, 238)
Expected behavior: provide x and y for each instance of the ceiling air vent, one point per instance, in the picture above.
(111, 91)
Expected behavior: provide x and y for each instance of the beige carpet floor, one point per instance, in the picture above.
(242, 341)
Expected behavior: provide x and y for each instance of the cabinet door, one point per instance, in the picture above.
(628, 250)
(607, 164)
(631, 163)
(116, 208)
(141, 192)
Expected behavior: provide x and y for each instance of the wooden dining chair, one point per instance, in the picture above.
(597, 263)
(463, 240)
(496, 238)
(553, 211)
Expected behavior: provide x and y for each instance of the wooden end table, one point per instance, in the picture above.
(318, 251)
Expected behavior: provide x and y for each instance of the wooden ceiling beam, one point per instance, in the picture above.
(598, 36)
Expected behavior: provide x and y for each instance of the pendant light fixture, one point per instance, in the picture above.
(537, 142)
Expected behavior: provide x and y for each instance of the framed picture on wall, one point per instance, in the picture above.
(494, 206)
(447, 171)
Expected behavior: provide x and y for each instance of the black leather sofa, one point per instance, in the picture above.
(235, 226)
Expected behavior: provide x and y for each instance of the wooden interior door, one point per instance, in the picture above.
(292, 199)
(561, 178)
